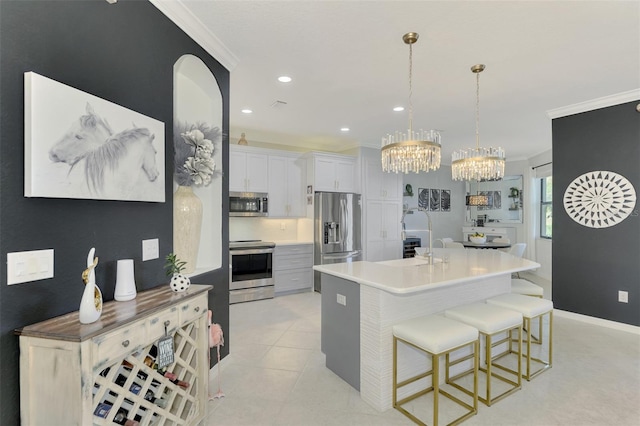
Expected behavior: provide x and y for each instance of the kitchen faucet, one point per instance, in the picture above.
(404, 233)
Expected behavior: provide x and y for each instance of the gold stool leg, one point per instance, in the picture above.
(435, 377)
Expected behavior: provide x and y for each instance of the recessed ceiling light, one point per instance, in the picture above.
(398, 109)
(344, 129)
(284, 79)
(247, 111)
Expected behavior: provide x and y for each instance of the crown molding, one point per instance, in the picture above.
(194, 28)
(605, 101)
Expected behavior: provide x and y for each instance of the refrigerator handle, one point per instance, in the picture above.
(348, 255)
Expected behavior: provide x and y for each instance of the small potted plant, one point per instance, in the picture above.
(515, 192)
(174, 267)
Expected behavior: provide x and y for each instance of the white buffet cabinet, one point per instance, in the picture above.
(87, 374)
(490, 232)
(292, 268)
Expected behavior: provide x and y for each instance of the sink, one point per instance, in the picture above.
(411, 261)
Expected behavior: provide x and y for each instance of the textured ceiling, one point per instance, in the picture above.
(350, 67)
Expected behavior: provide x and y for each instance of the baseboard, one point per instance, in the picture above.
(598, 321)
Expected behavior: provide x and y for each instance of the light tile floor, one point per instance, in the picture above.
(275, 375)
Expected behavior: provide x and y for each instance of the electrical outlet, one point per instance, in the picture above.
(623, 296)
(150, 249)
(342, 299)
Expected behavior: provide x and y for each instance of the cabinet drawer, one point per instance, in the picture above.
(193, 309)
(295, 279)
(293, 249)
(292, 262)
(119, 343)
(156, 323)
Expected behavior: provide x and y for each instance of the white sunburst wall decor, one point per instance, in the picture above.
(599, 199)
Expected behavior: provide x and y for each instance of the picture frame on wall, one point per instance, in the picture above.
(434, 200)
(78, 145)
(445, 200)
(423, 198)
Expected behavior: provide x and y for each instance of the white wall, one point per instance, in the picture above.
(445, 224)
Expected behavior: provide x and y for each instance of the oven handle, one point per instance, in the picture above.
(342, 256)
(251, 251)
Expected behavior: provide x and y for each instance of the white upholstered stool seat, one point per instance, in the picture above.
(520, 286)
(490, 321)
(435, 335)
(531, 308)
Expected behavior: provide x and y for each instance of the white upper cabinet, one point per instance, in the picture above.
(248, 171)
(334, 173)
(380, 185)
(286, 186)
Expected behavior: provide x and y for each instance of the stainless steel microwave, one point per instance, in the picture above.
(248, 204)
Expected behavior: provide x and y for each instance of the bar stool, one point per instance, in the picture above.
(520, 286)
(435, 335)
(490, 321)
(531, 308)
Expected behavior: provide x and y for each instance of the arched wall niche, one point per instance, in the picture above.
(197, 98)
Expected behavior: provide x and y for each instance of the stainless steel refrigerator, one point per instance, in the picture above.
(337, 223)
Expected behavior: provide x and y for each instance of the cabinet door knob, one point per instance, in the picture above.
(125, 343)
(166, 323)
(197, 309)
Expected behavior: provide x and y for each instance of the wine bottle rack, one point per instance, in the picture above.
(105, 373)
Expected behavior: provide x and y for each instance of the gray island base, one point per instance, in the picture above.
(361, 301)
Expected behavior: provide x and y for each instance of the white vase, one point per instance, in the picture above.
(187, 221)
(125, 281)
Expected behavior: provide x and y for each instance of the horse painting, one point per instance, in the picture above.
(106, 165)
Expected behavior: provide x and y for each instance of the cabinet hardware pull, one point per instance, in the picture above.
(125, 343)
(197, 309)
(166, 323)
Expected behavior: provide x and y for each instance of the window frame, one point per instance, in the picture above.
(546, 202)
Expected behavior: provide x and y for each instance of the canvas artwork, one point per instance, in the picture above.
(78, 145)
(434, 200)
(445, 200)
(423, 198)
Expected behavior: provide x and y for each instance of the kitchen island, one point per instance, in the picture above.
(361, 301)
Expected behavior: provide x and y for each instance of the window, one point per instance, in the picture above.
(546, 206)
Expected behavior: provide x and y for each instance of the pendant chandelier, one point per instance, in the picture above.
(478, 163)
(413, 151)
(479, 200)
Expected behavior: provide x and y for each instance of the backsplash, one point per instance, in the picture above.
(254, 228)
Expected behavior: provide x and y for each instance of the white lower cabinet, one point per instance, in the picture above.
(106, 372)
(292, 268)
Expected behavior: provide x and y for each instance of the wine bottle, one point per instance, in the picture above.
(174, 379)
(122, 419)
(160, 402)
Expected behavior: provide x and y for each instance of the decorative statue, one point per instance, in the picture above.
(91, 302)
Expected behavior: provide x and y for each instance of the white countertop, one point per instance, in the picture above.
(413, 275)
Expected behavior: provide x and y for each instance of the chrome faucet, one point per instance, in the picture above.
(404, 233)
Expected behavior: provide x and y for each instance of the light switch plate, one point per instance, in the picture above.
(26, 266)
(150, 249)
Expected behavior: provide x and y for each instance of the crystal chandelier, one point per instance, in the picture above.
(478, 163)
(413, 151)
(478, 200)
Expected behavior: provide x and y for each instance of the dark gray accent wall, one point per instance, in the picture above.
(123, 53)
(591, 265)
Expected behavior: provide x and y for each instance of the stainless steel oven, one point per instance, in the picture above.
(249, 204)
(251, 275)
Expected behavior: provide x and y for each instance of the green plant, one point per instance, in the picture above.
(514, 191)
(174, 265)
